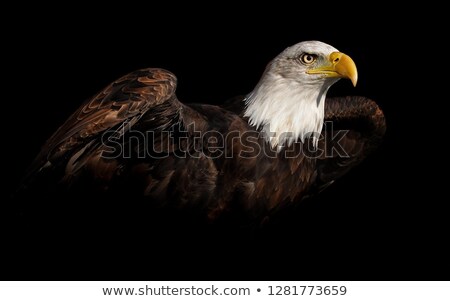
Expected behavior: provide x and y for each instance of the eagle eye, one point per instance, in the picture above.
(308, 58)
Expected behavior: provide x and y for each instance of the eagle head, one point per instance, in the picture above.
(287, 104)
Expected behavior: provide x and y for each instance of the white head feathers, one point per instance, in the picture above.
(288, 102)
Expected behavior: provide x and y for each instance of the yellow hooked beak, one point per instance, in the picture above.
(341, 66)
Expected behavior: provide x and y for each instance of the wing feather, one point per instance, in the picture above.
(116, 108)
(354, 128)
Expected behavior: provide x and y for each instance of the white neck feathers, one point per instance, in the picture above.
(286, 111)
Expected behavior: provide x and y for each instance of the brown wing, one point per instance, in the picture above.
(116, 108)
(354, 127)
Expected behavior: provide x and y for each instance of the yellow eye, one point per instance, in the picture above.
(308, 58)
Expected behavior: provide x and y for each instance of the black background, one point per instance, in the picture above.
(383, 221)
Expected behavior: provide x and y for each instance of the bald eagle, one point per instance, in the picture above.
(252, 156)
